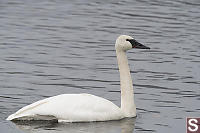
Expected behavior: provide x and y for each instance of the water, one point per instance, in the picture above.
(52, 47)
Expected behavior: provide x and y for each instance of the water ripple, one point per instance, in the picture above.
(53, 47)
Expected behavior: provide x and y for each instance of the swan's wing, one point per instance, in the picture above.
(26, 111)
(86, 107)
(71, 108)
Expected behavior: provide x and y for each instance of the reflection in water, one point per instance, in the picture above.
(123, 126)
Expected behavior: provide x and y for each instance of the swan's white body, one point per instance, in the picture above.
(86, 107)
(70, 108)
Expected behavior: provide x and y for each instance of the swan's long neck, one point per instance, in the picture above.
(127, 94)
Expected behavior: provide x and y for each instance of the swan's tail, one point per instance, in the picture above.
(11, 117)
(16, 116)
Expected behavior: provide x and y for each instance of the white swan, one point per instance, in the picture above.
(87, 107)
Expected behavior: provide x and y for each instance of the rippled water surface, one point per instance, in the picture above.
(50, 47)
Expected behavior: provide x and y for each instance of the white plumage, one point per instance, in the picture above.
(70, 108)
(87, 107)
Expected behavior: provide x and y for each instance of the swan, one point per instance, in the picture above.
(87, 107)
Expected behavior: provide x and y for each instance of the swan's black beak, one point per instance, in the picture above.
(136, 44)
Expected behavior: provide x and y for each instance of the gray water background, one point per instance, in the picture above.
(50, 47)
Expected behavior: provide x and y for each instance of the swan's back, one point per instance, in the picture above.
(70, 108)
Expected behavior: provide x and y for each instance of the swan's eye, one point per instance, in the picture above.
(130, 40)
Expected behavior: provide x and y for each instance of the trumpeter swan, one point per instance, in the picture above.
(87, 107)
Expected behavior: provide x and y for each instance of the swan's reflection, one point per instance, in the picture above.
(123, 126)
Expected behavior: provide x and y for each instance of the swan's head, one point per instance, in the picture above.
(125, 43)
